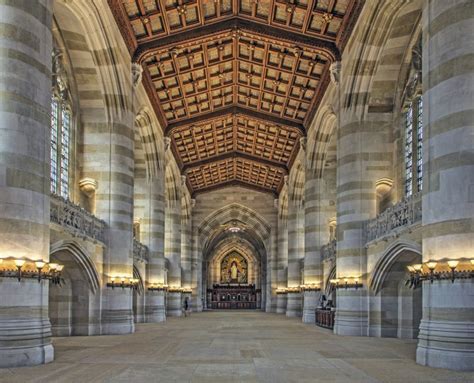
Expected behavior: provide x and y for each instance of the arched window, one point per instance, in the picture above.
(413, 127)
(61, 117)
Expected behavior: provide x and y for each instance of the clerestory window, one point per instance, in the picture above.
(414, 146)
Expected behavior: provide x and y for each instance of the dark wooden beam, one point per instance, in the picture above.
(326, 47)
(235, 183)
(235, 154)
(234, 110)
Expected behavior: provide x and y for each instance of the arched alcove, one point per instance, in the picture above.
(74, 306)
(399, 305)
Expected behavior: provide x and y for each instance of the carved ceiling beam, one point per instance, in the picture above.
(235, 110)
(234, 183)
(237, 154)
(324, 47)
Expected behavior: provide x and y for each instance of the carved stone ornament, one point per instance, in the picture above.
(335, 71)
(59, 76)
(167, 142)
(75, 219)
(405, 213)
(303, 142)
(193, 202)
(137, 71)
(88, 186)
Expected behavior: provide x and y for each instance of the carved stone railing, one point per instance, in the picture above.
(393, 220)
(328, 251)
(140, 251)
(75, 219)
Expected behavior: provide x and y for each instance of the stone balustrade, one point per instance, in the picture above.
(140, 251)
(405, 213)
(328, 251)
(75, 219)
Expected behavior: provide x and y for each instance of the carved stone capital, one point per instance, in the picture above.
(303, 142)
(167, 142)
(137, 71)
(335, 71)
(88, 186)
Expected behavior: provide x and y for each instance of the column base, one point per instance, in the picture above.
(446, 344)
(117, 315)
(155, 311)
(311, 299)
(294, 305)
(25, 329)
(281, 304)
(174, 307)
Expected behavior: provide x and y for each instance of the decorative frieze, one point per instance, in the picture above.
(140, 252)
(78, 221)
(404, 214)
(328, 251)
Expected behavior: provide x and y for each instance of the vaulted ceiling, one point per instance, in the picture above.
(235, 83)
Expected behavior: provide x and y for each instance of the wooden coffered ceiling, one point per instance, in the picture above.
(235, 83)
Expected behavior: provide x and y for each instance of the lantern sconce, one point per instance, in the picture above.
(346, 283)
(310, 287)
(444, 270)
(21, 270)
(158, 287)
(123, 282)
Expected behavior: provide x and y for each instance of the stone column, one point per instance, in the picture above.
(295, 255)
(25, 82)
(316, 235)
(282, 257)
(446, 338)
(186, 245)
(363, 157)
(153, 236)
(173, 254)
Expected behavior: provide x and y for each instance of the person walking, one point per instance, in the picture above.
(186, 307)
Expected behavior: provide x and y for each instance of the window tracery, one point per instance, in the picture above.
(61, 120)
(413, 127)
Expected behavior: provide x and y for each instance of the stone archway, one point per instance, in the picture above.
(74, 306)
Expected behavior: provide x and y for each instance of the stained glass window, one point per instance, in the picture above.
(60, 146)
(414, 147)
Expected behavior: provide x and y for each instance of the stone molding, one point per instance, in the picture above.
(404, 214)
(76, 220)
(140, 252)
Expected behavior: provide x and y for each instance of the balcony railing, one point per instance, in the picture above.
(140, 251)
(328, 251)
(404, 214)
(75, 219)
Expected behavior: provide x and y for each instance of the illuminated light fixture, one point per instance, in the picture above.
(281, 291)
(310, 287)
(349, 283)
(234, 229)
(22, 272)
(158, 287)
(131, 284)
(417, 275)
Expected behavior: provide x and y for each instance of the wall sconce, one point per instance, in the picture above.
(418, 274)
(175, 289)
(53, 273)
(123, 283)
(310, 287)
(158, 287)
(348, 283)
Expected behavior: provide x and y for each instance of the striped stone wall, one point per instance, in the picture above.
(296, 249)
(282, 255)
(25, 81)
(446, 337)
(173, 238)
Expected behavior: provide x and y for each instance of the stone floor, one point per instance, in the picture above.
(232, 347)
